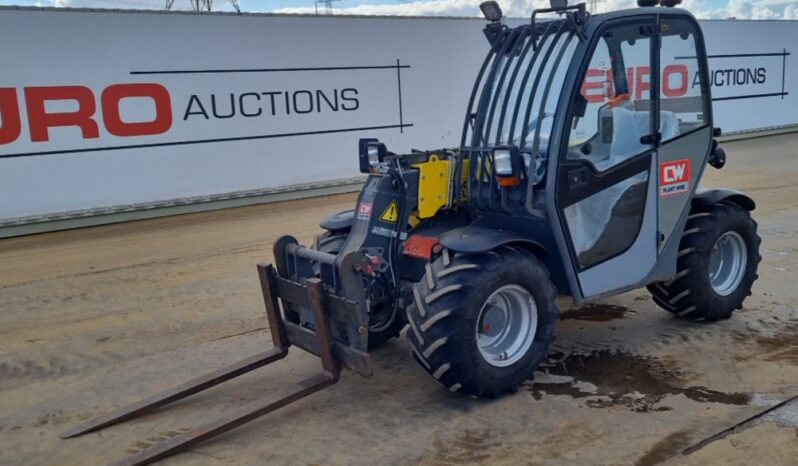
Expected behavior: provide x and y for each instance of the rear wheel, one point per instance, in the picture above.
(330, 241)
(480, 324)
(716, 268)
(385, 319)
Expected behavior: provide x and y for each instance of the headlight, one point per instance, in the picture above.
(508, 164)
(503, 161)
(507, 161)
(373, 153)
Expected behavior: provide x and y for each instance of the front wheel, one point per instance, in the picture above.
(481, 324)
(716, 268)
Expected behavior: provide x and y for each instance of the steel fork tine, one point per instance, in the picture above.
(230, 421)
(255, 409)
(266, 274)
(181, 391)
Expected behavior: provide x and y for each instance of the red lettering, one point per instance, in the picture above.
(638, 80)
(670, 70)
(589, 87)
(9, 115)
(111, 97)
(40, 121)
(640, 84)
(630, 80)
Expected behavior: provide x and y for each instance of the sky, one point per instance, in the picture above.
(707, 9)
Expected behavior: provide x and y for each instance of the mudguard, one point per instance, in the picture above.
(705, 197)
(339, 221)
(475, 239)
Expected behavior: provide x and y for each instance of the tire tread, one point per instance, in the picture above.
(437, 313)
(689, 293)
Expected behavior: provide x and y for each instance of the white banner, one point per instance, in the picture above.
(102, 109)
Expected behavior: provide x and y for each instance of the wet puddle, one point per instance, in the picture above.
(596, 313)
(609, 378)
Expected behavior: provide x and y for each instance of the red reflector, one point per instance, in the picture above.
(508, 180)
(420, 246)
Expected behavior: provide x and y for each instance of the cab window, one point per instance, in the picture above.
(683, 100)
(617, 94)
(612, 117)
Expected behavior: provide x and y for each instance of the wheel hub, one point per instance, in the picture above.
(506, 325)
(494, 321)
(727, 263)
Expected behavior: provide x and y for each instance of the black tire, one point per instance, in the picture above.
(690, 294)
(447, 304)
(332, 242)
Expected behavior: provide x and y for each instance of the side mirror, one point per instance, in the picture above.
(718, 158)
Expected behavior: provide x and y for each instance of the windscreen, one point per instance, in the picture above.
(513, 103)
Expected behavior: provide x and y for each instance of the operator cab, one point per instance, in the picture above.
(571, 119)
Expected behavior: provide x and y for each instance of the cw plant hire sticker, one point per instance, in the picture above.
(674, 178)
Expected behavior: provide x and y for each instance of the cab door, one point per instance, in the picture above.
(685, 114)
(605, 195)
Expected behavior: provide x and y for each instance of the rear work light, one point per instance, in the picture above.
(491, 11)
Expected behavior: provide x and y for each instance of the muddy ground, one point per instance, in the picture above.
(92, 319)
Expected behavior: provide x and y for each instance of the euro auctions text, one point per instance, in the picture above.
(80, 106)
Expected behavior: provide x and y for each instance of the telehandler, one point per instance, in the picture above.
(577, 174)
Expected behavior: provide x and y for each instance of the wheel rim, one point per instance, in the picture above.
(727, 263)
(506, 325)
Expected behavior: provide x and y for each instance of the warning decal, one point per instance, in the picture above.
(674, 178)
(391, 214)
(364, 211)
